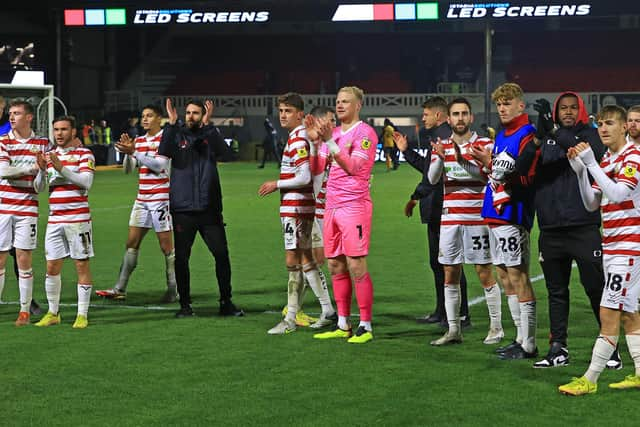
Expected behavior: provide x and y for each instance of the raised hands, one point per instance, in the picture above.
(55, 161)
(458, 153)
(41, 161)
(482, 154)
(584, 151)
(311, 125)
(401, 142)
(318, 129)
(125, 144)
(438, 148)
(171, 112)
(208, 111)
(325, 130)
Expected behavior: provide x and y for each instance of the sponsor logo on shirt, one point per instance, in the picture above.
(630, 170)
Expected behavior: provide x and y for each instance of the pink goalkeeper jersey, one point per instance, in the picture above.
(360, 141)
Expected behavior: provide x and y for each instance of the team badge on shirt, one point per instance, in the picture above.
(630, 170)
(302, 153)
(91, 164)
(366, 143)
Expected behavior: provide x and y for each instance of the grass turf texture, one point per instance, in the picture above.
(137, 366)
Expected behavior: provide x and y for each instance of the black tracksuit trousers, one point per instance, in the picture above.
(211, 228)
(558, 248)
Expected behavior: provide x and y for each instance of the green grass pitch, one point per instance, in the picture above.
(137, 365)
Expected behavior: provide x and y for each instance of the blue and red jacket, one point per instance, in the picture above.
(519, 210)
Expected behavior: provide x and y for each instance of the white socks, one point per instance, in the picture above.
(25, 284)
(318, 287)
(294, 288)
(170, 264)
(514, 308)
(2, 271)
(129, 262)
(53, 286)
(366, 325)
(528, 319)
(452, 306)
(633, 343)
(493, 296)
(343, 323)
(84, 295)
(602, 351)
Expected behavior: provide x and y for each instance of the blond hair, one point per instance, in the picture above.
(634, 109)
(615, 111)
(507, 91)
(353, 90)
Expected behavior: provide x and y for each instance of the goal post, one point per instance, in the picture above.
(42, 100)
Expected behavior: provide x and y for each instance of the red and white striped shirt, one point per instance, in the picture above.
(152, 186)
(621, 221)
(296, 202)
(68, 202)
(321, 193)
(463, 193)
(17, 196)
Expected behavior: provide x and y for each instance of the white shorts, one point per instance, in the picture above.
(297, 233)
(468, 244)
(20, 232)
(316, 233)
(151, 215)
(621, 283)
(68, 240)
(509, 245)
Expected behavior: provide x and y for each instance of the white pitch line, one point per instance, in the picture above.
(135, 307)
(478, 300)
(474, 301)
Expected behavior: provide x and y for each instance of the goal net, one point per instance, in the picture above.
(45, 105)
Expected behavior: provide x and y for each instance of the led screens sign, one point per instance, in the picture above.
(100, 17)
(324, 11)
(189, 16)
(386, 12)
(510, 10)
(403, 11)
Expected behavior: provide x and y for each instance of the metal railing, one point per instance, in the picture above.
(386, 104)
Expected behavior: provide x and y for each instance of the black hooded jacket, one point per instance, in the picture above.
(194, 153)
(558, 202)
(430, 195)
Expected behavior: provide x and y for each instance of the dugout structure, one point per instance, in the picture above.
(42, 99)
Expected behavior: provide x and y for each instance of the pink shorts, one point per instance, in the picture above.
(347, 230)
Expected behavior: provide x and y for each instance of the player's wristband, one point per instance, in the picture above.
(313, 150)
(333, 147)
